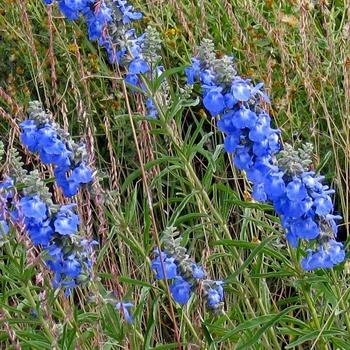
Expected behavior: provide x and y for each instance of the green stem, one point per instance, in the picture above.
(341, 300)
(44, 323)
(191, 174)
(309, 301)
(31, 300)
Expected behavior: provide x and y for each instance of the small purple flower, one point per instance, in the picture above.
(124, 309)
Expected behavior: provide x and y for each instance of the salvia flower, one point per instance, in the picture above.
(164, 266)
(40, 134)
(181, 290)
(110, 23)
(279, 176)
(124, 307)
(214, 294)
(186, 276)
(54, 228)
(56, 231)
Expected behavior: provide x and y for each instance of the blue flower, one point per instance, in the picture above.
(323, 205)
(312, 182)
(262, 167)
(40, 233)
(81, 174)
(305, 228)
(296, 190)
(259, 193)
(232, 141)
(66, 222)
(243, 159)
(29, 136)
(295, 209)
(68, 285)
(330, 219)
(54, 151)
(197, 271)
(274, 185)
(230, 101)
(33, 207)
(97, 20)
(138, 66)
(241, 89)
(46, 134)
(207, 77)
(124, 309)
(261, 130)
(245, 118)
(71, 266)
(4, 228)
(181, 290)
(292, 239)
(325, 257)
(70, 13)
(214, 101)
(274, 141)
(300, 198)
(127, 11)
(192, 72)
(226, 123)
(132, 79)
(262, 148)
(54, 251)
(151, 109)
(214, 293)
(69, 186)
(336, 251)
(166, 262)
(213, 297)
(6, 188)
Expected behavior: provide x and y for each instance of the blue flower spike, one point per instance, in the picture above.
(279, 176)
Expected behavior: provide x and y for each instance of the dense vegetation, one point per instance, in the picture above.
(134, 148)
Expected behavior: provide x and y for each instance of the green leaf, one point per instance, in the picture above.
(169, 346)
(249, 245)
(264, 322)
(166, 74)
(151, 325)
(137, 173)
(256, 251)
(137, 282)
(312, 335)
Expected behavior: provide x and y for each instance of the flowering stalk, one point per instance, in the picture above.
(281, 177)
(173, 263)
(109, 22)
(25, 200)
(54, 146)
